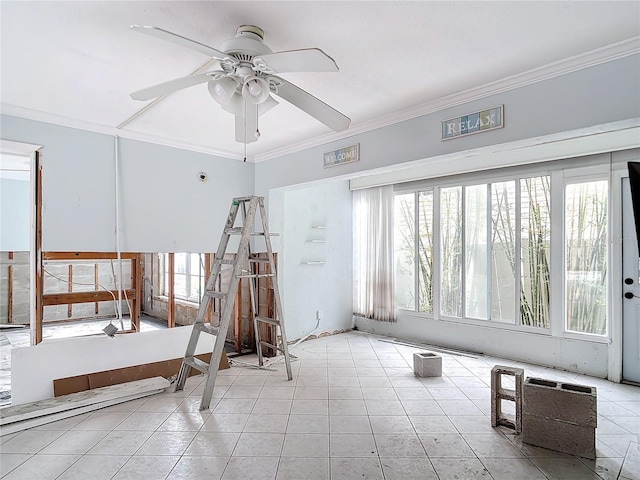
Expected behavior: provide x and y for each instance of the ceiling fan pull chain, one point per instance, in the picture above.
(244, 116)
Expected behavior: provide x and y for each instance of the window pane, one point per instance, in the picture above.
(476, 261)
(425, 251)
(180, 263)
(451, 251)
(404, 250)
(534, 238)
(195, 263)
(586, 257)
(503, 252)
(180, 285)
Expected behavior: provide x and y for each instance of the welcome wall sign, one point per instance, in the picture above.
(471, 123)
(344, 155)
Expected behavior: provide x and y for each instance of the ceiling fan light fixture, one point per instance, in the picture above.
(222, 89)
(255, 90)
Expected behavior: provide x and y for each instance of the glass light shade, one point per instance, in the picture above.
(222, 89)
(255, 90)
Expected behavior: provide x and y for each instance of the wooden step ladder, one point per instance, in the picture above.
(242, 267)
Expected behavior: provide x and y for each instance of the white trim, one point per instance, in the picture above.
(615, 310)
(572, 64)
(611, 137)
(592, 58)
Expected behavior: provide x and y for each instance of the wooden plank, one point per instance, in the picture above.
(54, 417)
(137, 284)
(96, 276)
(70, 290)
(20, 417)
(10, 255)
(207, 273)
(36, 336)
(82, 297)
(171, 302)
(87, 255)
(40, 408)
(10, 292)
(151, 282)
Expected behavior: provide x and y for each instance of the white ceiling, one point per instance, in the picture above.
(76, 63)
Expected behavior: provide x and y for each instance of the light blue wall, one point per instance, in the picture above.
(14, 215)
(163, 207)
(593, 96)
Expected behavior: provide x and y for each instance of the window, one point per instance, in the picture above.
(494, 251)
(188, 276)
(586, 257)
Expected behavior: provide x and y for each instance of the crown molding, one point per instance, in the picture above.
(592, 58)
(30, 114)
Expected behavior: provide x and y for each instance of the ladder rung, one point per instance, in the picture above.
(215, 294)
(259, 260)
(238, 231)
(208, 328)
(242, 199)
(262, 342)
(256, 275)
(272, 321)
(197, 364)
(225, 261)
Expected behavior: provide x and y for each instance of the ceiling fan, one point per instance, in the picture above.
(246, 80)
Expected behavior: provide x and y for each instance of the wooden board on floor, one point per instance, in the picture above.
(20, 417)
(88, 381)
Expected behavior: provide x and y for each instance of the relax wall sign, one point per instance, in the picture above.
(344, 155)
(471, 123)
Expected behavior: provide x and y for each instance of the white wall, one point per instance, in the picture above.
(307, 288)
(14, 214)
(163, 207)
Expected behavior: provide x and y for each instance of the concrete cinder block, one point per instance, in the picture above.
(499, 393)
(565, 402)
(427, 364)
(560, 436)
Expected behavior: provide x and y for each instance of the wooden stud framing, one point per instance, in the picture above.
(136, 279)
(96, 277)
(39, 280)
(87, 255)
(70, 290)
(84, 297)
(207, 272)
(151, 281)
(10, 292)
(171, 320)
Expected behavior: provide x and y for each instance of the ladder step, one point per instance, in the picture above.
(238, 231)
(259, 260)
(197, 364)
(272, 321)
(225, 261)
(262, 342)
(207, 328)
(215, 294)
(256, 275)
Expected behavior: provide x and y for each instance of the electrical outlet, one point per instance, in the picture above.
(318, 314)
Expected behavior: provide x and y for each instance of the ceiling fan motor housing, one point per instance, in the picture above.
(247, 42)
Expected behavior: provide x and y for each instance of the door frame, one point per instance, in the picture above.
(616, 302)
(35, 225)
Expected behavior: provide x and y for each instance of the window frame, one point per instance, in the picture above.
(561, 173)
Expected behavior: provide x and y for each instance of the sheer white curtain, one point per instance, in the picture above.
(373, 253)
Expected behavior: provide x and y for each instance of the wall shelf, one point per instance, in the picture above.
(314, 262)
(316, 241)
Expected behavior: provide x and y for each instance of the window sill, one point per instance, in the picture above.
(182, 301)
(582, 337)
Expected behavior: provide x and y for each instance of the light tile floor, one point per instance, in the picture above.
(353, 410)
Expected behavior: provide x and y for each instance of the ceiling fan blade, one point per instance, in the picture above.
(247, 124)
(306, 60)
(313, 106)
(179, 40)
(171, 86)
